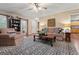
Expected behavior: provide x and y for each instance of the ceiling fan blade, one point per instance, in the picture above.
(36, 5)
(44, 7)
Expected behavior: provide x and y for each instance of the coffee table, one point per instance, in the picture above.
(50, 38)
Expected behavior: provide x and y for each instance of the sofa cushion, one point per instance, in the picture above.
(6, 30)
(52, 30)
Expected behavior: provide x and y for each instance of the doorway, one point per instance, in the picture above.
(24, 26)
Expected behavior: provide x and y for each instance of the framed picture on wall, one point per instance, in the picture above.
(51, 22)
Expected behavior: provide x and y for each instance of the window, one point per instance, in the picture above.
(3, 21)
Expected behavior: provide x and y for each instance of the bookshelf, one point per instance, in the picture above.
(15, 23)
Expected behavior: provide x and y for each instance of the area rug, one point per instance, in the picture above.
(29, 47)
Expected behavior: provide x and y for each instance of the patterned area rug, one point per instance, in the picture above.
(29, 47)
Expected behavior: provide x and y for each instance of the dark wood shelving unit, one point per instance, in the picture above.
(15, 23)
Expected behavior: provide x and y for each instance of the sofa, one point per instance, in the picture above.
(9, 37)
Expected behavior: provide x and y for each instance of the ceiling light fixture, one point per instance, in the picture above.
(37, 7)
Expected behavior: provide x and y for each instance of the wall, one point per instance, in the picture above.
(23, 26)
(29, 27)
(61, 19)
(29, 19)
(34, 26)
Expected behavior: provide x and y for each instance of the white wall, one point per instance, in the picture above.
(34, 26)
(60, 19)
(24, 17)
(23, 26)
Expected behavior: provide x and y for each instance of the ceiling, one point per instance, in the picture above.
(23, 8)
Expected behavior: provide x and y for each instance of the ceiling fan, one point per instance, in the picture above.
(36, 6)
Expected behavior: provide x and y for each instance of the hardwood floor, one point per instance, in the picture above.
(75, 40)
(29, 47)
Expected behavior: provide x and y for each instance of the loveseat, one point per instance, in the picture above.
(9, 37)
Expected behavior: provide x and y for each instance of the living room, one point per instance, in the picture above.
(56, 24)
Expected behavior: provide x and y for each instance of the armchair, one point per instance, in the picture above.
(57, 32)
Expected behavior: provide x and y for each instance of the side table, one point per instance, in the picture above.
(67, 36)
